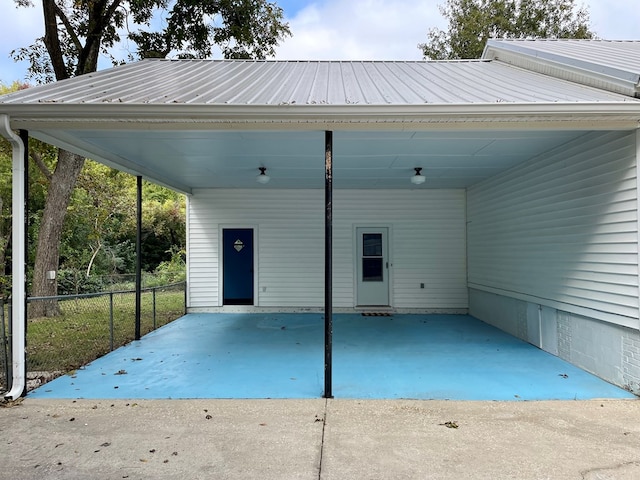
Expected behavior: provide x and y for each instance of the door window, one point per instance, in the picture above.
(372, 259)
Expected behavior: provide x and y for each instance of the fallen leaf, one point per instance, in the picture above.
(450, 424)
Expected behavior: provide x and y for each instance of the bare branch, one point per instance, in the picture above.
(41, 165)
(68, 27)
(52, 39)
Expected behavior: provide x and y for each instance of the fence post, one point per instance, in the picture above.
(111, 320)
(5, 349)
(10, 340)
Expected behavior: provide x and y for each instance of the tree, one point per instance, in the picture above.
(473, 22)
(104, 200)
(78, 31)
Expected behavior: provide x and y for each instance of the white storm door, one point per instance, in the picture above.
(372, 266)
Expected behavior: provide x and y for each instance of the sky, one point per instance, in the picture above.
(331, 29)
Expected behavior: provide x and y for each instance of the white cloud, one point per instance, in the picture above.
(615, 19)
(361, 29)
(391, 29)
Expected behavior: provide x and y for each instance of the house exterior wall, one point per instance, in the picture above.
(562, 230)
(426, 241)
(553, 254)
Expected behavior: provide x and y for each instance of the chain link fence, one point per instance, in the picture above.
(86, 327)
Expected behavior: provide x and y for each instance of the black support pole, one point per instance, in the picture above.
(138, 256)
(328, 254)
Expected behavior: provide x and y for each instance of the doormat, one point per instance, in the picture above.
(376, 314)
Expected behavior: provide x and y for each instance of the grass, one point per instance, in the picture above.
(82, 332)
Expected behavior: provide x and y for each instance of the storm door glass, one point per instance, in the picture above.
(372, 258)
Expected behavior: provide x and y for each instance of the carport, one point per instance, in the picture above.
(501, 189)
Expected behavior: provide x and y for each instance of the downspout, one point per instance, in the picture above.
(18, 318)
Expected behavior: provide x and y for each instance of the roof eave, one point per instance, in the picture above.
(591, 115)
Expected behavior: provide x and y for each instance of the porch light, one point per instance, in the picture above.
(263, 178)
(418, 178)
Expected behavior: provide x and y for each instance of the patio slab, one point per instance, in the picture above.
(281, 356)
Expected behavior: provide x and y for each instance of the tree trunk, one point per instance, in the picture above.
(47, 255)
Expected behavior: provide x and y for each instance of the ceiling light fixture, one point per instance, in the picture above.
(263, 178)
(418, 178)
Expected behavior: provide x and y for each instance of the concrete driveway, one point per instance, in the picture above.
(320, 439)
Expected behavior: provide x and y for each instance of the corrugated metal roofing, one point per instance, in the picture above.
(248, 82)
(602, 62)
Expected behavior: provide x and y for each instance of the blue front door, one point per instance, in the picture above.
(237, 267)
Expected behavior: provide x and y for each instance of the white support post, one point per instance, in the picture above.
(18, 319)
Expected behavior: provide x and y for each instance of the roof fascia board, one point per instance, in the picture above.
(72, 144)
(557, 65)
(603, 115)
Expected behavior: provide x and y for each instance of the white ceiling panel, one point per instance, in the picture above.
(363, 159)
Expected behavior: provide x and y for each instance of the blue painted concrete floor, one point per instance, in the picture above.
(453, 357)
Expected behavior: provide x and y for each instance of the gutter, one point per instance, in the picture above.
(18, 318)
(624, 114)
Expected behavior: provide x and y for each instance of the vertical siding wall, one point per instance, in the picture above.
(427, 244)
(562, 231)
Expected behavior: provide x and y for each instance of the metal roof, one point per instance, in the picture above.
(608, 64)
(276, 83)
(192, 124)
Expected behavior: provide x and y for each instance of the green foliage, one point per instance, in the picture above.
(473, 22)
(244, 29)
(74, 282)
(85, 29)
(99, 230)
(173, 270)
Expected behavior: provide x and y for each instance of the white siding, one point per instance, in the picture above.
(427, 244)
(562, 230)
